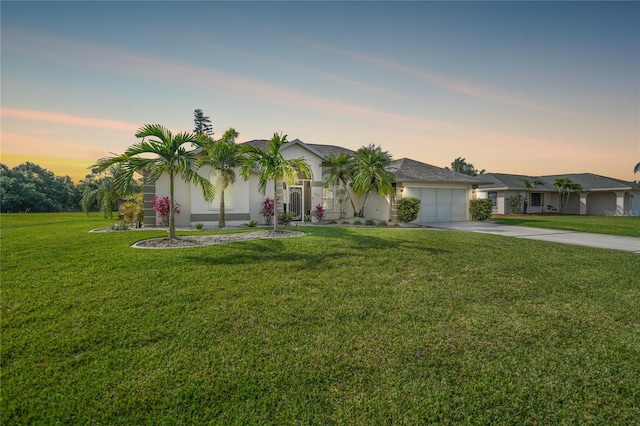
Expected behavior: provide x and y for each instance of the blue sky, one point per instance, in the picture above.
(532, 88)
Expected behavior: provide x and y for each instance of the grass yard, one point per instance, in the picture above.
(614, 225)
(342, 326)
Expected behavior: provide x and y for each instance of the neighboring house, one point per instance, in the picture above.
(600, 195)
(445, 194)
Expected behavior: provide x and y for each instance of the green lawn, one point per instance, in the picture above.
(342, 326)
(614, 225)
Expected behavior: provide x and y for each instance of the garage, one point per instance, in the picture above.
(440, 204)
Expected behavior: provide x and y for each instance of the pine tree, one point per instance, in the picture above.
(202, 123)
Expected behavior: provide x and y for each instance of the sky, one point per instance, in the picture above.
(531, 88)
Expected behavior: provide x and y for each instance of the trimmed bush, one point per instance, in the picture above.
(408, 209)
(370, 222)
(481, 208)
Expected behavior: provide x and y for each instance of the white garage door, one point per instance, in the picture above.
(442, 204)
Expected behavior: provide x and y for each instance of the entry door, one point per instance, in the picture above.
(296, 202)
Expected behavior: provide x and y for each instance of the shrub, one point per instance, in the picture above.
(119, 226)
(408, 209)
(333, 222)
(481, 208)
(357, 222)
(131, 208)
(251, 224)
(319, 212)
(345, 222)
(199, 225)
(162, 207)
(514, 202)
(285, 218)
(266, 209)
(370, 222)
(382, 223)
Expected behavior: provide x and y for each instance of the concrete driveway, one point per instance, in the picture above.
(615, 242)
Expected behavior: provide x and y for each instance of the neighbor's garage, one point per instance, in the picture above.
(440, 204)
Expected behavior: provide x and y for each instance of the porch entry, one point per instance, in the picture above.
(299, 200)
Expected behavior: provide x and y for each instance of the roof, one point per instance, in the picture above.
(406, 169)
(323, 151)
(589, 182)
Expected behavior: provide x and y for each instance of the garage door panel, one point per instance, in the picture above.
(458, 204)
(428, 204)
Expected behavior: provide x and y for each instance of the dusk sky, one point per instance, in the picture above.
(528, 88)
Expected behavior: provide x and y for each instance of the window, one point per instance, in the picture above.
(214, 178)
(328, 201)
(536, 199)
(493, 196)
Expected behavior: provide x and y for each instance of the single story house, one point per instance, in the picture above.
(445, 194)
(600, 195)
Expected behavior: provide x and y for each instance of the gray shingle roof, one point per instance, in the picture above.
(406, 169)
(589, 182)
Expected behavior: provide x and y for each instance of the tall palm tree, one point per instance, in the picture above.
(636, 169)
(369, 172)
(339, 170)
(529, 185)
(273, 166)
(223, 156)
(168, 156)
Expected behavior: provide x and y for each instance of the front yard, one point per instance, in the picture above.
(342, 326)
(614, 225)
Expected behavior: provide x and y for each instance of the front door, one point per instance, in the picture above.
(296, 204)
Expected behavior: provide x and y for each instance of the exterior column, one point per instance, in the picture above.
(620, 203)
(583, 203)
(149, 212)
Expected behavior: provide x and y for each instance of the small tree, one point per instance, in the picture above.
(131, 207)
(267, 207)
(408, 209)
(565, 187)
(320, 212)
(514, 202)
(481, 208)
(529, 185)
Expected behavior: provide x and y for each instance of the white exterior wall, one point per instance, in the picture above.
(237, 204)
(377, 207)
(181, 194)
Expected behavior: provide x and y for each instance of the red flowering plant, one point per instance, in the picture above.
(266, 209)
(320, 212)
(162, 206)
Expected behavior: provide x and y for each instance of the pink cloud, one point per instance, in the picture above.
(53, 117)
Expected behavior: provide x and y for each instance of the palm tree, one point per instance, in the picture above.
(273, 166)
(339, 170)
(100, 192)
(565, 187)
(529, 185)
(223, 156)
(460, 165)
(169, 156)
(636, 169)
(369, 172)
